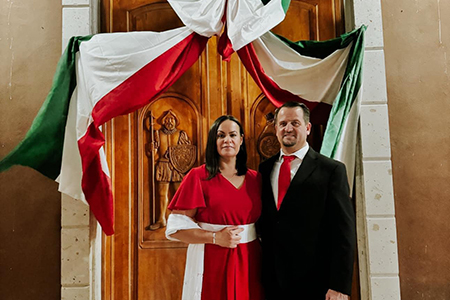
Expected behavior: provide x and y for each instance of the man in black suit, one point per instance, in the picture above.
(308, 237)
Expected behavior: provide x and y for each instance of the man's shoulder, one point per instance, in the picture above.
(327, 161)
(268, 163)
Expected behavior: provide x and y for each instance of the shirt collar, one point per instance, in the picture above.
(298, 154)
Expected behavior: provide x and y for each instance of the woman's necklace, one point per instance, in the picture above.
(228, 176)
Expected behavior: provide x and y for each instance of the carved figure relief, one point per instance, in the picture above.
(172, 155)
(268, 144)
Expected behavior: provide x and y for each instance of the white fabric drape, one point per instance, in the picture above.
(313, 79)
(346, 148)
(70, 177)
(246, 19)
(103, 63)
(110, 59)
(202, 16)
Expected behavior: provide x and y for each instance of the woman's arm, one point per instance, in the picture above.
(228, 237)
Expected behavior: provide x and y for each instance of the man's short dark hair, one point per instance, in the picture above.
(292, 104)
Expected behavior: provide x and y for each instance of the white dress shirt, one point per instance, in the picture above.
(295, 164)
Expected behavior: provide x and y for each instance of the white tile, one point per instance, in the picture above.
(368, 12)
(75, 293)
(375, 132)
(76, 21)
(75, 256)
(75, 2)
(385, 288)
(74, 212)
(374, 77)
(383, 254)
(378, 188)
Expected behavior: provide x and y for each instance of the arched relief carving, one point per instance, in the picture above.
(267, 143)
(262, 129)
(153, 17)
(169, 142)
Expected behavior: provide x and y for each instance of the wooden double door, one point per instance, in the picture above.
(150, 150)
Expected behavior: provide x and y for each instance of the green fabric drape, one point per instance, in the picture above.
(351, 83)
(42, 147)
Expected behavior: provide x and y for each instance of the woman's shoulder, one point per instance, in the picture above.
(199, 168)
(199, 171)
(252, 173)
(253, 177)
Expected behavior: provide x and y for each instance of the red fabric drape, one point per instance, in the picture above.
(135, 92)
(224, 47)
(275, 94)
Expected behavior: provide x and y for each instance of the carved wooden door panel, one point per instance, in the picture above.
(149, 151)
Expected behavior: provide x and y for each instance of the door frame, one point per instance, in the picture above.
(81, 237)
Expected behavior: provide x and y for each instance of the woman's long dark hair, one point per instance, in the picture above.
(213, 157)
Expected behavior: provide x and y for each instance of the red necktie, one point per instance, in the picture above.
(284, 178)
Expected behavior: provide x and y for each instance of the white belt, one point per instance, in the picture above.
(193, 274)
(247, 236)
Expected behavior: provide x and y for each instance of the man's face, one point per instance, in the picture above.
(291, 129)
(169, 122)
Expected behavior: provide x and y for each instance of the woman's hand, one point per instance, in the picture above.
(229, 237)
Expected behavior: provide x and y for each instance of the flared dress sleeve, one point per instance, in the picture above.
(190, 193)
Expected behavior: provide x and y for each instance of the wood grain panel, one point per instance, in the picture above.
(167, 282)
(120, 249)
(153, 17)
(301, 22)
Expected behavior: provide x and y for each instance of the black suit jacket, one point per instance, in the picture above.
(308, 245)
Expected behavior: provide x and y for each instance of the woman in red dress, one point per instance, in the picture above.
(214, 211)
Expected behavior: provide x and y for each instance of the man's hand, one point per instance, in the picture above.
(333, 295)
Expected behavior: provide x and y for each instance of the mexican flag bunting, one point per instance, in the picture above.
(326, 76)
(99, 78)
(106, 75)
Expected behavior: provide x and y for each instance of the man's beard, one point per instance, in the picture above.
(289, 143)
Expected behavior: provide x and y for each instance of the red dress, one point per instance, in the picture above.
(229, 274)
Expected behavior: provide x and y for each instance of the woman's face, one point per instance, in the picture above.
(229, 139)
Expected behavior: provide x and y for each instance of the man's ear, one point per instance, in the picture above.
(308, 128)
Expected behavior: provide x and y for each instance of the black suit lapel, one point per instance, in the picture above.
(306, 168)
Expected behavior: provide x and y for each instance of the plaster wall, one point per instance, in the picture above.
(80, 241)
(30, 206)
(417, 40)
